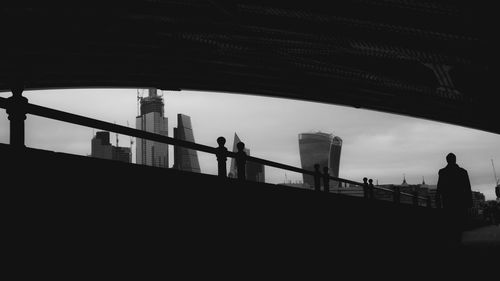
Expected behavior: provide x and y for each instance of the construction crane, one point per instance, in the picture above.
(497, 187)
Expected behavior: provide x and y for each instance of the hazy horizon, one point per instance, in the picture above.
(377, 145)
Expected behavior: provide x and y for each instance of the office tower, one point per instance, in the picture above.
(151, 119)
(123, 154)
(253, 171)
(335, 149)
(102, 148)
(319, 148)
(185, 159)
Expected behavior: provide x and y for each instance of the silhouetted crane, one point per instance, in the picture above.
(497, 187)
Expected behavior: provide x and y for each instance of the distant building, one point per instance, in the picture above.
(478, 201)
(123, 154)
(254, 171)
(102, 148)
(151, 119)
(319, 148)
(424, 190)
(184, 158)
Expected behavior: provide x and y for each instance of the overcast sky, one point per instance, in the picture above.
(376, 145)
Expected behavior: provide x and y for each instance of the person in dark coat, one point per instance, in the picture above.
(454, 191)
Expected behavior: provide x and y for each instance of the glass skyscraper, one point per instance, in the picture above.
(185, 159)
(151, 119)
(319, 148)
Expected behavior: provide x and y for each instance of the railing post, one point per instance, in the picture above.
(241, 161)
(429, 201)
(326, 180)
(317, 178)
(365, 187)
(221, 157)
(396, 194)
(370, 189)
(17, 114)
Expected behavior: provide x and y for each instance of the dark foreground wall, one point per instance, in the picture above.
(85, 210)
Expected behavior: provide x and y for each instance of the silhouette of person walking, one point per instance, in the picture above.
(454, 191)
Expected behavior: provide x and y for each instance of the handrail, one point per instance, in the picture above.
(98, 124)
(411, 195)
(279, 165)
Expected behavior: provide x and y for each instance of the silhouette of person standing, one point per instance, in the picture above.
(454, 191)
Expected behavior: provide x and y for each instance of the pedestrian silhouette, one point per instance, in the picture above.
(454, 191)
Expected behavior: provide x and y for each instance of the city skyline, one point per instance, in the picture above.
(377, 145)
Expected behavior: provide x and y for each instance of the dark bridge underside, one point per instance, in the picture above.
(424, 58)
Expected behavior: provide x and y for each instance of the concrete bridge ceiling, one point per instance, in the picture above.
(422, 58)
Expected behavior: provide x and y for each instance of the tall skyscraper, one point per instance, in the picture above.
(253, 171)
(185, 159)
(102, 148)
(334, 161)
(319, 148)
(151, 119)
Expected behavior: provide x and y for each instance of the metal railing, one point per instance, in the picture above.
(17, 107)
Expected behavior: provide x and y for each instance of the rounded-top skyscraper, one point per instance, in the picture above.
(319, 148)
